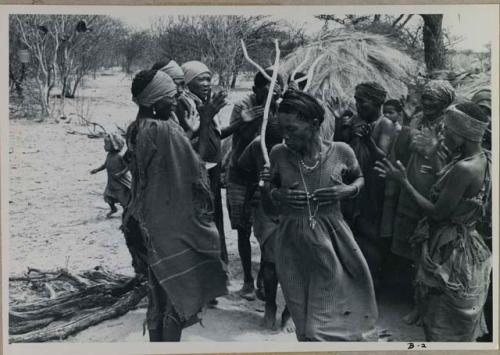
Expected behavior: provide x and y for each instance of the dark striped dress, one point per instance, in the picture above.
(325, 279)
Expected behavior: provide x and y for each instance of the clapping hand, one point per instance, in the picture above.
(362, 130)
(386, 169)
(423, 142)
(335, 106)
(293, 86)
(214, 104)
(252, 114)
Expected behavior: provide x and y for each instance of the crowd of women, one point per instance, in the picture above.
(391, 198)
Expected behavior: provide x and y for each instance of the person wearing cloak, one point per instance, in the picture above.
(197, 113)
(172, 210)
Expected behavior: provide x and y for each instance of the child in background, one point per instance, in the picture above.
(118, 186)
(394, 112)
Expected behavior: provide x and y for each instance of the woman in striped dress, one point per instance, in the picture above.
(325, 279)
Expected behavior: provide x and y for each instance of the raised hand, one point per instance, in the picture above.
(293, 86)
(252, 114)
(213, 104)
(334, 105)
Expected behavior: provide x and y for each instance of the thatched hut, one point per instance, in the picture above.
(348, 58)
(345, 58)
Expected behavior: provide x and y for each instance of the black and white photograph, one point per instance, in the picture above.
(318, 178)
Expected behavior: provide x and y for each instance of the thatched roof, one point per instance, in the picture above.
(468, 85)
(350, 58)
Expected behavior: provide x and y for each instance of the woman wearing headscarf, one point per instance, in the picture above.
(323, 274)
(482, 98)
(173, 70)
(416, 147)
(453, 268)
(197, 114)
(172, 211)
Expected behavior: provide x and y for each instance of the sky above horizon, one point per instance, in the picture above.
(461, 22)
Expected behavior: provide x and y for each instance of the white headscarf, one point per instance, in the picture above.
(193, 69)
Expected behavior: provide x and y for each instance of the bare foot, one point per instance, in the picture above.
(287, 324)
(269, 321)
(412, 318)
(113, 211)
(247, 291)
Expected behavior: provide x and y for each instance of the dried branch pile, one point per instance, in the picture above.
(52, 305)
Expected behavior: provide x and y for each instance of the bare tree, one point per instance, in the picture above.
(216, 41)
(133, 47)
(39, 35)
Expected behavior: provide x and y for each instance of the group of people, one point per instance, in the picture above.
(391, 193)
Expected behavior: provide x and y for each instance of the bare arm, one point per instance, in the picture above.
(233, 127)
(381, 144)
(101, 168)
(453, 191)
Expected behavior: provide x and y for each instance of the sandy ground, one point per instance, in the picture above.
(57, 219)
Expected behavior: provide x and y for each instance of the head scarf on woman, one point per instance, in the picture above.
(440, 90)
(464, 125)
(173, 70)
(159, 87)
(193, 69)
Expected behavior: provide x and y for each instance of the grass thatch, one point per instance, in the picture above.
(349, 58)
(468, 85)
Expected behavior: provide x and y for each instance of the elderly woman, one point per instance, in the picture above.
(172, 210)
(197, 114)
(324, 276)
(454, 264)
(416, 148)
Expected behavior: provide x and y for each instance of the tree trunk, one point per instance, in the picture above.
(433, 42)
(376, 18)
(75, 86)
(234, 78)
